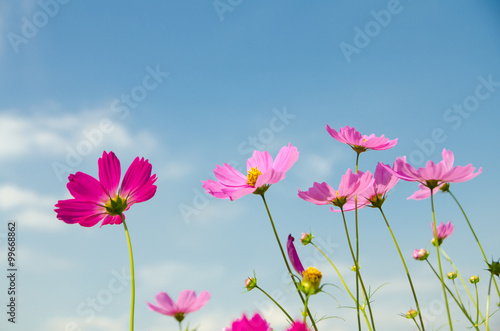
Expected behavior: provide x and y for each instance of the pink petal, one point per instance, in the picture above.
(200, 301)
(112, 219)
(86, 188)
(109, 173)
(261, 160)
(137, 185)
(73, 211)
(185, 300)
(166, 304)
(229, 177)
(286, 157)
(214, 188)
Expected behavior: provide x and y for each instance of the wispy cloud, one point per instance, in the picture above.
(31, 209)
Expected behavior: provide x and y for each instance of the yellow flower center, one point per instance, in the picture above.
(252, 176)
(311, 278)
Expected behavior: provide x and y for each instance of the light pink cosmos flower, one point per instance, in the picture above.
(186, 303)
(262, 172)
(443, 231)
(361, 143)
(375, 194)
(351, 185)
(434, 175)
(97, 199)
(257, 323)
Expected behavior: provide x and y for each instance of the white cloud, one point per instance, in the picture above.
(35, 260)
(58, 134)
(29, 208)
(176, 170)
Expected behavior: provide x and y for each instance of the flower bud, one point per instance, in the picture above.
(311, 278)
(474, 279)
(452, 275)
(420, 254)
(306, 238)
(250, 283)
(411, 314)
(353, 268)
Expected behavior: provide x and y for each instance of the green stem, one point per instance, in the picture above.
(180, 328)
(345, 285)
(477, 300)
(436, 243)
(406, 269)
(358, 273)
(459, 304)
(488, 305)
(132, 305)
(305, 308)
(461, 278)
(276, 303)
(356, 262)
(286, 261)
(475, 237)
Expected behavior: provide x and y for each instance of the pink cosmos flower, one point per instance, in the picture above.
(97, 199)
(443, 231)
(351, 185)
(262, 172)
(293, 256)
(186, 303)
(434, 175)
(361, 143)
(257, 323)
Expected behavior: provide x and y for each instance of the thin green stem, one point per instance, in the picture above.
(356, 262)
(343, 282)
(418, 326)
(461, 278)
(459, 304)
(305, 308)
(276, 303)
(286, 261)
(458, 293)
(358, 274)
(475, 237)
(488, 305)
(180, 328)
(406, 269)
(132, 305)
(477, 300)
(439, 261)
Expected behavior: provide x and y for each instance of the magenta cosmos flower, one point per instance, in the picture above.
(434, 175)
(186, 303)
(298, 326)
(361, 143)
(95, 200)
(351, 185)
(443, 231)
(257, 323)
(262, 172)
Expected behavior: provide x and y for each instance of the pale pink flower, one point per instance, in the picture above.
(262, 172)
(186, 303)
(443, 231)
(434, 175)
(95, 200)
(361, 143)
(350, 185)
(420, 254)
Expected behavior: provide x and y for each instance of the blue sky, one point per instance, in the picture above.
(192, 85)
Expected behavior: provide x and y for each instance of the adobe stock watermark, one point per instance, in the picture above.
(264, 137)
(97, 303)
(372, 29)
(223, 6)
(454, 116)
(121, 106)
(47, 9)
